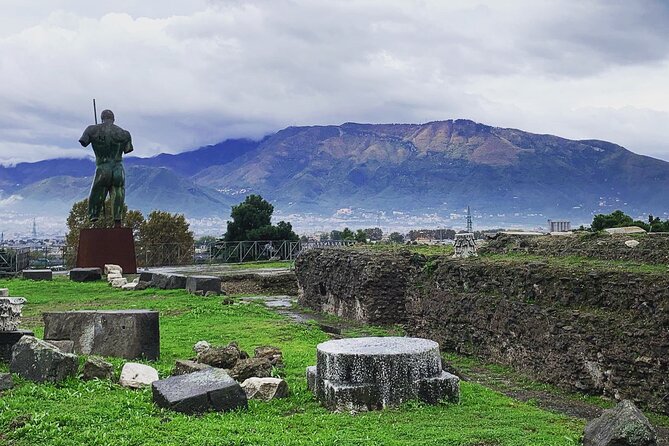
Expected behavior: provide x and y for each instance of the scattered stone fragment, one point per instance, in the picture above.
(145, 276)
(201, 346)
(623, 425)
(135, 280)
(97, 368)
(118, 283)
(632, 243)
(114, 276)
(85, 274)
(272, 354)
(204, 284)
(228, 301)
(135, 375)
(39, 361)
(4, 292)
(183, 366)
(212, 293)
(221, 357)
(251, 367)
(111, 268)
(129, 286)
(311, 377)
(265, 389)
(169, 281)
(37, 274)
(207, 390)
(6, 381)
(143, 285)
(65, 346)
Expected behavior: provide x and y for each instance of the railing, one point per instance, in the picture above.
(13, 260)
(167, 254)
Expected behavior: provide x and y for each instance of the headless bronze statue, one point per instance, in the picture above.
(109, 142)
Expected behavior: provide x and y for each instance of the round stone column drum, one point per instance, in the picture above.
(373, 373)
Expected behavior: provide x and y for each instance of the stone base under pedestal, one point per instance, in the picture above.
(7, 341)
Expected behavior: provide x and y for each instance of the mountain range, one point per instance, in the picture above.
(434, 168)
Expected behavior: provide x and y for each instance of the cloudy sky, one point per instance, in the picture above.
(181, 74)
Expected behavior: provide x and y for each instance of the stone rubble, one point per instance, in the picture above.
(135, 375)
(39, 361)
(623, 425)
(97, 368)
(265, 389)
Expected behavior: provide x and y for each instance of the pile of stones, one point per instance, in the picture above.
(220, 379)
(197, 285)
(115, 278)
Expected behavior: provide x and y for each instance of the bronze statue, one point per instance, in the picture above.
(110, 142)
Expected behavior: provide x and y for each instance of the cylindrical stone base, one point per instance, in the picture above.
(373, 373)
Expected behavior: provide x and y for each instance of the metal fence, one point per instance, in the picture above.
(167, 254)
(13, 260)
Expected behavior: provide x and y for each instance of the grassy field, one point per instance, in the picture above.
(102, 413)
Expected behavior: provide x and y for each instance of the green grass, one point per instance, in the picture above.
(260, 265)
(102, 413)
(427, 250)
(579, 262)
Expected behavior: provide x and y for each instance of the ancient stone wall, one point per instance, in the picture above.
(260, 283)
(651, 248)
(595, 331)
(354, 284)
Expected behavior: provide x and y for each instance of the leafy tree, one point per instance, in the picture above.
(165, 239)
(347, 234)
(252, 220)
(396, 237)
(616, 219)
(374, 234)
(78, 220)
(361, 236)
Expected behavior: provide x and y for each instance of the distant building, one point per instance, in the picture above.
(559, 226)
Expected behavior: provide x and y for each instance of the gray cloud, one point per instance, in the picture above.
(183, 74)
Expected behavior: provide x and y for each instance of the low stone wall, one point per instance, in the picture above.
(652, 248)
(354, 284)
(599, 332)
(257, 283)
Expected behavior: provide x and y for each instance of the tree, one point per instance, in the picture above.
(374, 234)
(252, 220)
(78, 220)
(165, 239)
(361, 236)
(616, 219)
(396, 237)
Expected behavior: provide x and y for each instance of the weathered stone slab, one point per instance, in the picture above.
(251, 367)
(221, 357)
(110, 268)
(374, 373)
(169, 281)
(4, 292)
(265, 389)
(129, 334)
(623, 425)
(6, 381)
(208, 390)
(39, 361)
(85, 274)
(145, 276)
(37, 274)
(65, 346)
(129, 286)
(97, 368)
(203, 284)
(118, 283)
(183, 366)
(135, 375)
(7, 341)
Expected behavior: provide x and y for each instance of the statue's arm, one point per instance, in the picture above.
(128, 147)
(85, 139)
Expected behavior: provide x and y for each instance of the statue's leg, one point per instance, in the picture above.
(96, 198)
(118, 193)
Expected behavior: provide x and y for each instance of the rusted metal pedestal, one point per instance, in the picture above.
(98, 247)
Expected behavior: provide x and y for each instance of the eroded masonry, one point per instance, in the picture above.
(594, 329)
